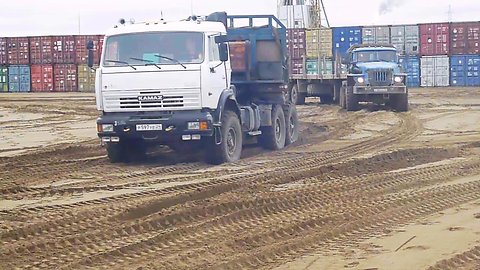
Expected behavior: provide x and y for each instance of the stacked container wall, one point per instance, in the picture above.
(319, 67)
(3, 79)
(319, 43)
(81, 55)
(465, 70)
(435, 71)
(297, 66)
(411, 66)
(3, 51)
(344, 38)
(63, 49)
(434, 39)
(42, 78)
(296, 44)
(405, 39)
(86, 79)
(41, 50)
(376, 35)
(18, 51)
(465, 38)
(19, 78)
(65, 78)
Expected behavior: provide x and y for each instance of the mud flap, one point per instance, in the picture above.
(217, 131)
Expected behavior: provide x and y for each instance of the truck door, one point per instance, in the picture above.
(215, 80)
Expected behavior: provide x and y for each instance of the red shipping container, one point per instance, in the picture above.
(296, 66)
(65, 78)
(82, 52)
(41, 50)
(63, 49)
(465, 38)
(18, 51)
(435, 39)
(296, 43)
(42, 78)
(3, 51)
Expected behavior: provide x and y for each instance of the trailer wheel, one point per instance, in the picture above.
(230, 148)
(292, 125)
(296, 97)
(273, 137)
(399, 102)
(351, 100)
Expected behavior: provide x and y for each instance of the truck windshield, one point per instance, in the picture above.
(141, 48)
(375, 56)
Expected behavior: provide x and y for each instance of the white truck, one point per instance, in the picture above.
(178, 84)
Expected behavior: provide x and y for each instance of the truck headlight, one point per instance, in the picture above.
(197, 125)
(106, 128)
(360, 80)
(398, 79)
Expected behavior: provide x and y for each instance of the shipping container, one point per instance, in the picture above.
(3, 79)
(296, 66)
(319, 42)
(465, 38)
(344, 38)
(296, 43)
(435, 71)
(63, 49)
(41, 50)
(65, 78)
(319, 66)
(81, 55)
(435, 39)
(411, 66)
(101, 40)
(405, 38)
(42, 78)
(465, 70)
(19, 78)
(86, 79)
(3, 51)
(376, 35)
(18, 51)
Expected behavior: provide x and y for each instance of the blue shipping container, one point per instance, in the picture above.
(19, 78)
(411, 66)
(344, 38)
(465, 70)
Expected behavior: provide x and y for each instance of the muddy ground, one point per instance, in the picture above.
(372, 189)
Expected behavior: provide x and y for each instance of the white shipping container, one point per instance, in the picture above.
(435, 71)
(405, 38)
(376, 35)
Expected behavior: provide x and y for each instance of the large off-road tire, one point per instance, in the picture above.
(294, 94)
(399, 102)
(116, 152)
(273, 137)
(230, 148)
(126, 151)
(292, 125)
(351, 100)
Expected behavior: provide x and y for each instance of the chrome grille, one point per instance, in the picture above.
(167, 102)
(380, 77)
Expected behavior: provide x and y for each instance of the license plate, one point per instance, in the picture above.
(151, 127)
(380, 90)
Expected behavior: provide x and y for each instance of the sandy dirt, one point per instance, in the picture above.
(372, 189)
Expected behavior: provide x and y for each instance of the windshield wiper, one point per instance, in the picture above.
(148, 62)
(121, 62)
(171, 59)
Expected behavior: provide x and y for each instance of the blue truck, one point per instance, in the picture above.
(208, 84)
(374, 75)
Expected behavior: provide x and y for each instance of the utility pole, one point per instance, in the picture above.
(79, 25)
(450, 13)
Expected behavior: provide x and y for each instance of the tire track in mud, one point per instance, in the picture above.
(468, 260)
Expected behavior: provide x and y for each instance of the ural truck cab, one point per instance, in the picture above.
(374, 75)
(172, 83)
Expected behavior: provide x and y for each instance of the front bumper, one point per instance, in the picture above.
(380, 90)
(174, 125)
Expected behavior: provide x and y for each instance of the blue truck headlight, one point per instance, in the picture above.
(193, 126)
(398, 79)
(107, 128)
(360, 80)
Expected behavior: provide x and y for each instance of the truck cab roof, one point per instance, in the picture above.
(164, 26)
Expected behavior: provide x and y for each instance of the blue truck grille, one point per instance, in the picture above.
(380, 78)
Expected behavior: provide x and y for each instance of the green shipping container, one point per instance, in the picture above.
(319, 43)
(86, 79)
(319, 66)
(3, 79)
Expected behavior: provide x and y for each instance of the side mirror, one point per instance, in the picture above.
(90, 47)
(221, 39)
(223, 48)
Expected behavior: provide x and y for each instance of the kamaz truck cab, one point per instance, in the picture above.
(178, 84)
(374, 75)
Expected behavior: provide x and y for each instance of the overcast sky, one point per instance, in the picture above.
(52, 17)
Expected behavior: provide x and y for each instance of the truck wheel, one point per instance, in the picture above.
(399, 102)
(351, 100)
(230, 149)
(326, 99)
(294, 94)
(116, 152)
(292, 125)
(273, 137)
(301, 98)
(126, 151)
